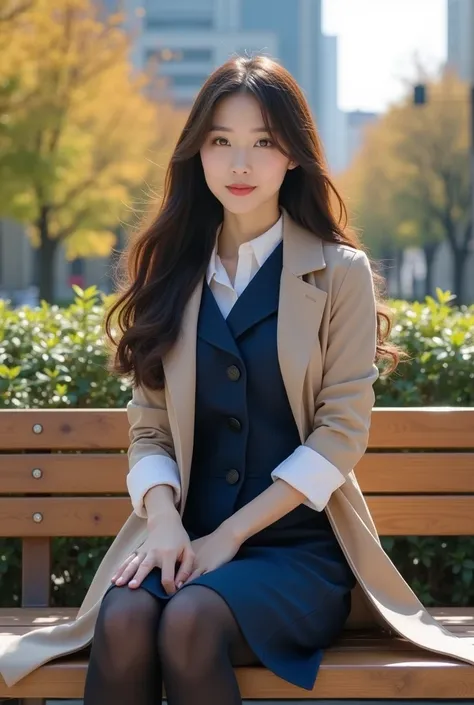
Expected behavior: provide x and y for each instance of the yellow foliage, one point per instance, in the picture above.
(412, 170)
(83, 133)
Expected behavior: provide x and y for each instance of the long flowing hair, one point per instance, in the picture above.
(168, 258)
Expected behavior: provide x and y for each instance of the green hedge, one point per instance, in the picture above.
(56, 358)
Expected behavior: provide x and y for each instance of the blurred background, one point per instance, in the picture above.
(93, 94)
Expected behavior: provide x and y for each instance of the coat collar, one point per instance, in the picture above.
(303, 251)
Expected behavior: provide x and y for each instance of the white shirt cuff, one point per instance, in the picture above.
(150, 471)
(311, 474)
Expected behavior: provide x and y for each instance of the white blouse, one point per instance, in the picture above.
(305, 469)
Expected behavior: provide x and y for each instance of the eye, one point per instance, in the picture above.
(264, 142)
(220, 141)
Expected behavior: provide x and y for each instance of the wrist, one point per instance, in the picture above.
(163, 515)
(232, 528)
(159, 501)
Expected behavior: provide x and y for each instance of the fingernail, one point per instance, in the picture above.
(180, 583)
(133, 582)
(119, 580)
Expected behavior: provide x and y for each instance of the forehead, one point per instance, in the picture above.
(240, 110)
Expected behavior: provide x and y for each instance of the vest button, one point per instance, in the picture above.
(232, 476)
(234, 423)
(233, 373)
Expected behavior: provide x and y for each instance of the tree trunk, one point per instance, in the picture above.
(385, 265)
(429, 249)
(460, 246)
(460, 255)
(398, 269)
(47, 257)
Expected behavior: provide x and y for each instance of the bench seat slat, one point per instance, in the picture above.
(351, 674)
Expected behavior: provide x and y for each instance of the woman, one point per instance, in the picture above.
(250, 328)
(252, 571)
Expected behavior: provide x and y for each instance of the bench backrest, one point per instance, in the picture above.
(62, 473)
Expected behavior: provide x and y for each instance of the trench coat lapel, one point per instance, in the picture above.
(179, 366)
(300, 312)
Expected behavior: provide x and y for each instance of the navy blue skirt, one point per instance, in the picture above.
(290, 597)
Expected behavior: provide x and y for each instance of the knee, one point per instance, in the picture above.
(182, 622)
(184, 631)
(123, 613)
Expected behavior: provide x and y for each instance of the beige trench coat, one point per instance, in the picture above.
(326, 351)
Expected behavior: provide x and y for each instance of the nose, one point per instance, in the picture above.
(240, 163)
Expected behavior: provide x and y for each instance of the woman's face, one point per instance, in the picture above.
(242, 166)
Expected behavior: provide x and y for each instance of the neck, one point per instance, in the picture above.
(239, 228)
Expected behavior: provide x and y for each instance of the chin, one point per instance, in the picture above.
(240, 205)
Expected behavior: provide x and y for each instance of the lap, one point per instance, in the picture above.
(190, 614)
(197, 610)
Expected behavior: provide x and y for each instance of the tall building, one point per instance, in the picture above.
(332, 120)
(296, 27)
(357, 123)
(190, 38)
(461, 37)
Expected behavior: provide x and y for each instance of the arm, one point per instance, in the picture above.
(153, 480)
(343, 410)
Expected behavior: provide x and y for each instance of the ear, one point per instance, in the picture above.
(292, 165)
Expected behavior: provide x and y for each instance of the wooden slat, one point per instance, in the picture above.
(78, 429)
(19, 620)
(351, 674)
(428, 427)
(423, 515)
(363, 665)
(76, 473)
(64, 473)
(105, 516)
(394, 473)
(64, 429)
(68, 516)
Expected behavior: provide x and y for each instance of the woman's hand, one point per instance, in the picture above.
(166, 545)
(212, 551)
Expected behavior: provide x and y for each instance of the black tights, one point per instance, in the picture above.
(192, 642)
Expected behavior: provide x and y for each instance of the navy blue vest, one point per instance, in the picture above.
(244, 426)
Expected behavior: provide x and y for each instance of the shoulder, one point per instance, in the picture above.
(344, 257)
(347, 268)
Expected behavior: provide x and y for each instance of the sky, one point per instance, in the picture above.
(378, 43)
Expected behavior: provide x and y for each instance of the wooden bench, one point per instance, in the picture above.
(418, 477)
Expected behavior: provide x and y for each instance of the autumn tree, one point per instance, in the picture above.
(410, 182)
(80, 131)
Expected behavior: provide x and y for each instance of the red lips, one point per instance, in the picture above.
(240, 189)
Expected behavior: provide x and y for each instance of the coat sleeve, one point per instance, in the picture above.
(151, 453)
(344, 404)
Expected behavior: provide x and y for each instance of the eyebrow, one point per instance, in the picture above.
(222, 128)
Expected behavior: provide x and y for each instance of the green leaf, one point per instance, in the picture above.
(78, 291)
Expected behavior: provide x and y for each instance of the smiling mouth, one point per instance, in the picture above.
(240, 189)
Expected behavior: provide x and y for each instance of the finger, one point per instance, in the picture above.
(117, 577)
(146, 565)
(186, 567)
(168, 569)
(130, 569)
(195, 574)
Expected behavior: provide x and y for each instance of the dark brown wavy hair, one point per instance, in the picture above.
(163, 265)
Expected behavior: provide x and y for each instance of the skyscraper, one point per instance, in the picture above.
(189, 38)
(461, 37)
